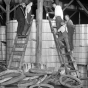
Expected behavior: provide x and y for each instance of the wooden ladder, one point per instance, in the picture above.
(18, 50)
(61, 56)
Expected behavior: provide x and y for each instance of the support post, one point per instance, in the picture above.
(39, 32)
(7, 2)
(79, 17)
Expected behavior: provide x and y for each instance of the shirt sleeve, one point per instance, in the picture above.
(26, 12)
(71, 23)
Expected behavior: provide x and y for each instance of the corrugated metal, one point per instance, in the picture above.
(2, 45)
(81, 44)
(48, 44)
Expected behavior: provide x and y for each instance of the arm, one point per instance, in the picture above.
(70, 23)
(26, 13)
(55, 12)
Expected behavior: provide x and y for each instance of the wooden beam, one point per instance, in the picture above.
(14, 8)
(2, 8)
(73, 13)
(68, 4)
(39, 32)
(7, 2)
(82, 6)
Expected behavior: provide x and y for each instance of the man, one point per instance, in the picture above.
(64, 36)
(70, 27)
(61, 27)
(58, 15)
(27, 17)
(20, 16)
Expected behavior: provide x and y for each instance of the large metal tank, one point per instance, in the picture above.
(81, 43)
(2, 42)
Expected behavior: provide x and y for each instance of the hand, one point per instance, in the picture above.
(59, 30)
(54, 17)
(62, 23)
(47, 15)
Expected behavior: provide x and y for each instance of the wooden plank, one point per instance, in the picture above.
(39, 31)
(68, 4)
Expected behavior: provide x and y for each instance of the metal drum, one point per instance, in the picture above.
(2, 42)
(81, 43)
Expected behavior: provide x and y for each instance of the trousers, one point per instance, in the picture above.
(20, 27)
(27, 23)
(64, 37)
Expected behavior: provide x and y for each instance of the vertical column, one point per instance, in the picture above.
(7, 2)
(79, 17)
(39, 32)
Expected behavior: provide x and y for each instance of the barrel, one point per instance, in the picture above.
(2, 42)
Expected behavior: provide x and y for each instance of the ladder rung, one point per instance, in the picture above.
(19, 45)
(73, 70)
(67, 53)
(24, 36)
(51, 12)
(14, 56)
(71, 61)
(21, 41)
(16, 59)
(18, 52)
(15, 68)
(47, 6)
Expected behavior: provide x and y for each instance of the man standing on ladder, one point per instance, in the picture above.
(61, 27)
(28, 12)
(58, 15)
(20, 17)
(71, 28)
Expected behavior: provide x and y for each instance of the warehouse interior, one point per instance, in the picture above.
(41, 58)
